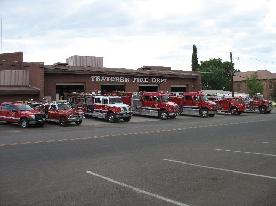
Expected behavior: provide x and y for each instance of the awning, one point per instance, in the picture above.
(4, 90)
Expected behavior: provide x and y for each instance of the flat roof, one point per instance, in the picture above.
(62, 69)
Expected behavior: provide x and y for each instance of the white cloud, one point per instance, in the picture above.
(143, 32)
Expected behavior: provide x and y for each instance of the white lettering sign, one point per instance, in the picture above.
(126, 79)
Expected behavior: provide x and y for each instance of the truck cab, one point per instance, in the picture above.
(21, 114)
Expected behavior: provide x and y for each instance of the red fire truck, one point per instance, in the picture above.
(21, 114)
(63, 113)
(110, 108)
(155, 104)
(195, 103)
(234, 106)
(258, 103)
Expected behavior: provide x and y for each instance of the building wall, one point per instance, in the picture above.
(36, 76)
(51, 79)
(16, 73)
(19, 97)
(11, 57)
(269, 84)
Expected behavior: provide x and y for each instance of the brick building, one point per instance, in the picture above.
(20, 80)
(55, 81)
(267, 78)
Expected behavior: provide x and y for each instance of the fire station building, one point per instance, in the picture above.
(21, 81)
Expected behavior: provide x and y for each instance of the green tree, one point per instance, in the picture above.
(216, 74)
(195, 64)
(254, 86)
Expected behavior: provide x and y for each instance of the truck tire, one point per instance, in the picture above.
(174, 116)
(127, 119)
(211, 115)
(234, 110)
(41, 124)
(63, 121)
(163, 115)
(24, 123)
(262, 109)
(78, 122)
(111, 118)
(204, 113)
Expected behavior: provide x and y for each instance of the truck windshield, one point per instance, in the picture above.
(203, 98)
(115, 100)
(64, 106)
(23, 107)
(165, 98)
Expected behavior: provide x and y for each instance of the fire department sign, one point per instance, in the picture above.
(127, 79)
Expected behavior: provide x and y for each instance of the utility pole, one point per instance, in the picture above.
(232, 74)
(1, 35)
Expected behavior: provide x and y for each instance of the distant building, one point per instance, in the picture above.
(267, 78)
(20, 80)
(25, 80)
(85, 61)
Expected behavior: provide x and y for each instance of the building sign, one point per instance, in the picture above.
(127, 79)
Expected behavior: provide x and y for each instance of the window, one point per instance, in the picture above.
(97, 100)
(146, 98)
(8, 107)
(270, 85)
(189, 98)
(105, 101)
(53, 107)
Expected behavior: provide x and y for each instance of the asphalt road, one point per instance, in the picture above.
(225, 160)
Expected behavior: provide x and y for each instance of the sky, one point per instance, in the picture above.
(133, 33)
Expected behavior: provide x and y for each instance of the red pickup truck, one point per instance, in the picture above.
(63, 113)
(21, 114)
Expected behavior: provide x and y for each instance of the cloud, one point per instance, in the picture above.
(142, 32)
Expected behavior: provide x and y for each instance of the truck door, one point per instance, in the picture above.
(146, 101)
(52, 112)
(10, 113)
(188, 101)
(4, 112)
(225, 105)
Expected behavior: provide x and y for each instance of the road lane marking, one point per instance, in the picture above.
(125, 134)
(238, 151)
(221, 169)
(138, 190)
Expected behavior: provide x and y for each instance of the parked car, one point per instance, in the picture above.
(21, 114)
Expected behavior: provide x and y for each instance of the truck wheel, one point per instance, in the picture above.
(63, 121)
(111, 118)
(211, 115)
(163, 115)
(262, 109)
(234, 111)
(78, 122)
(127, 119)
(24, 123)
(204, 113)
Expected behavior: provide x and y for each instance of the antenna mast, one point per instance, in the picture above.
(1, 36)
